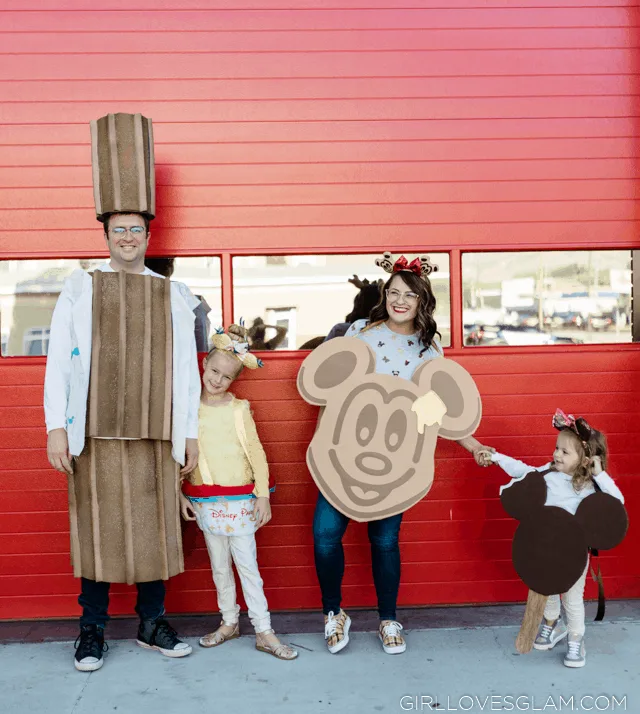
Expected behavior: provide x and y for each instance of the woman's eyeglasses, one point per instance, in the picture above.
(394, 295)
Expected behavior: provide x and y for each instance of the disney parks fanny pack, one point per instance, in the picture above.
(226, 516)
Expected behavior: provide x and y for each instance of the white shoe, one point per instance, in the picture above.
(550, 634)
(576, 652)
(336, 631)
(389, 634)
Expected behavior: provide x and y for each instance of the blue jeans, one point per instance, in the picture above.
(94, 600)
(329, 526)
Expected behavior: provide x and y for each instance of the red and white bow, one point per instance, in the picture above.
(563, 421)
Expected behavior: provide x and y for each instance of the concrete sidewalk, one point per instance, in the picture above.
(460, 667)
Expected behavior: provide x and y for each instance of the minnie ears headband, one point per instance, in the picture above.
(235, 342)
(422, 266)
(578, 426)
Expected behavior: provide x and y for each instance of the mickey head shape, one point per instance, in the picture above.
(551, 546)
(372, 455)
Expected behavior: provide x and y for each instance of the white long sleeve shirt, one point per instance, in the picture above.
(66, 383)
(560, 491)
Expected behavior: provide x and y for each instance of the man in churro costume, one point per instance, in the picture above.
(122, 392)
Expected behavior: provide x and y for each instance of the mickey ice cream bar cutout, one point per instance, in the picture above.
(372, 455)
(551, 546)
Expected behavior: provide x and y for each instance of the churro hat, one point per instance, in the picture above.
(123, 165)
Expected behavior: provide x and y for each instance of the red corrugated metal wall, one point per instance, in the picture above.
(282, 125)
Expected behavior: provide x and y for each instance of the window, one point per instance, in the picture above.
(202, 277)
(36, 341)
(29, 290)
(284, 323)
(552, 297)
(309, 294)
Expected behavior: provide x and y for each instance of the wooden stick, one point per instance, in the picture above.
(533, 613)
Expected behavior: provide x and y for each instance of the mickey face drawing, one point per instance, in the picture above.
(372, 453)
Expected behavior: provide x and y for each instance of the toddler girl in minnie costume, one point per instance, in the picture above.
(228, 493)
(578, 470)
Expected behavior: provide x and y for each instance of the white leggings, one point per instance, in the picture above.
(242, 551)
(573, 601)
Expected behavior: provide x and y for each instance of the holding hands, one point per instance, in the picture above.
(482, 455)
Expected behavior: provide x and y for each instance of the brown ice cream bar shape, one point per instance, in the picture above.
(372, 455)
(123, 165)
(551, 546)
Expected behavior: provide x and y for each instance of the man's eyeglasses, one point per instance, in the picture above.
(134, 230)
(394, 295)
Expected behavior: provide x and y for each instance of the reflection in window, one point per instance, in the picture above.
(308, 295)
(36, 341)
(552, 297)
(202, 277)
(29, 290)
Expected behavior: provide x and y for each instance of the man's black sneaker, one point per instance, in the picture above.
(89, 648)
(159, 635)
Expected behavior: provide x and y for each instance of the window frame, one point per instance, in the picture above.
(229, 317)
(456, 348)
(479, 350)
(32, 360)
(43, 337)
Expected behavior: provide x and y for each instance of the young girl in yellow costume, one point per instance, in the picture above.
(228, 493)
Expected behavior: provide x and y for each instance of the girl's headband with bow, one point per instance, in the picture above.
(234, 341)
(579, 426)
(422, 266)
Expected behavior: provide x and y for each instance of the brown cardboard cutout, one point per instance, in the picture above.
(604, 520)
(372, 453)
(123, 165)
(551, 546)
(550, 551)
(524, 495)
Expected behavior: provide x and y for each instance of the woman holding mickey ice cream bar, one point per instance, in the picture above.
(402, 333)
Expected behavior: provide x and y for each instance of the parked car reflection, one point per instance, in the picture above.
(512, 335)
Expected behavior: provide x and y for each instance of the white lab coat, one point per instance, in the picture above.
(66, 382)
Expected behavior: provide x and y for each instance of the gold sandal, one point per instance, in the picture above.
(213, 639)
(281, 651)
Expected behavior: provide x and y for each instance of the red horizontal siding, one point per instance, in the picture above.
(313, 19)
(380, 40)
(282, 126)
(239, 65)
(333, 194)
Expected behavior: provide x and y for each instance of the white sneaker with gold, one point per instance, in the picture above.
(389, 634)
(336, 631)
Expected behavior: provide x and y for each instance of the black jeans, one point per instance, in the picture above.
(329, 526)
(94, 601)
